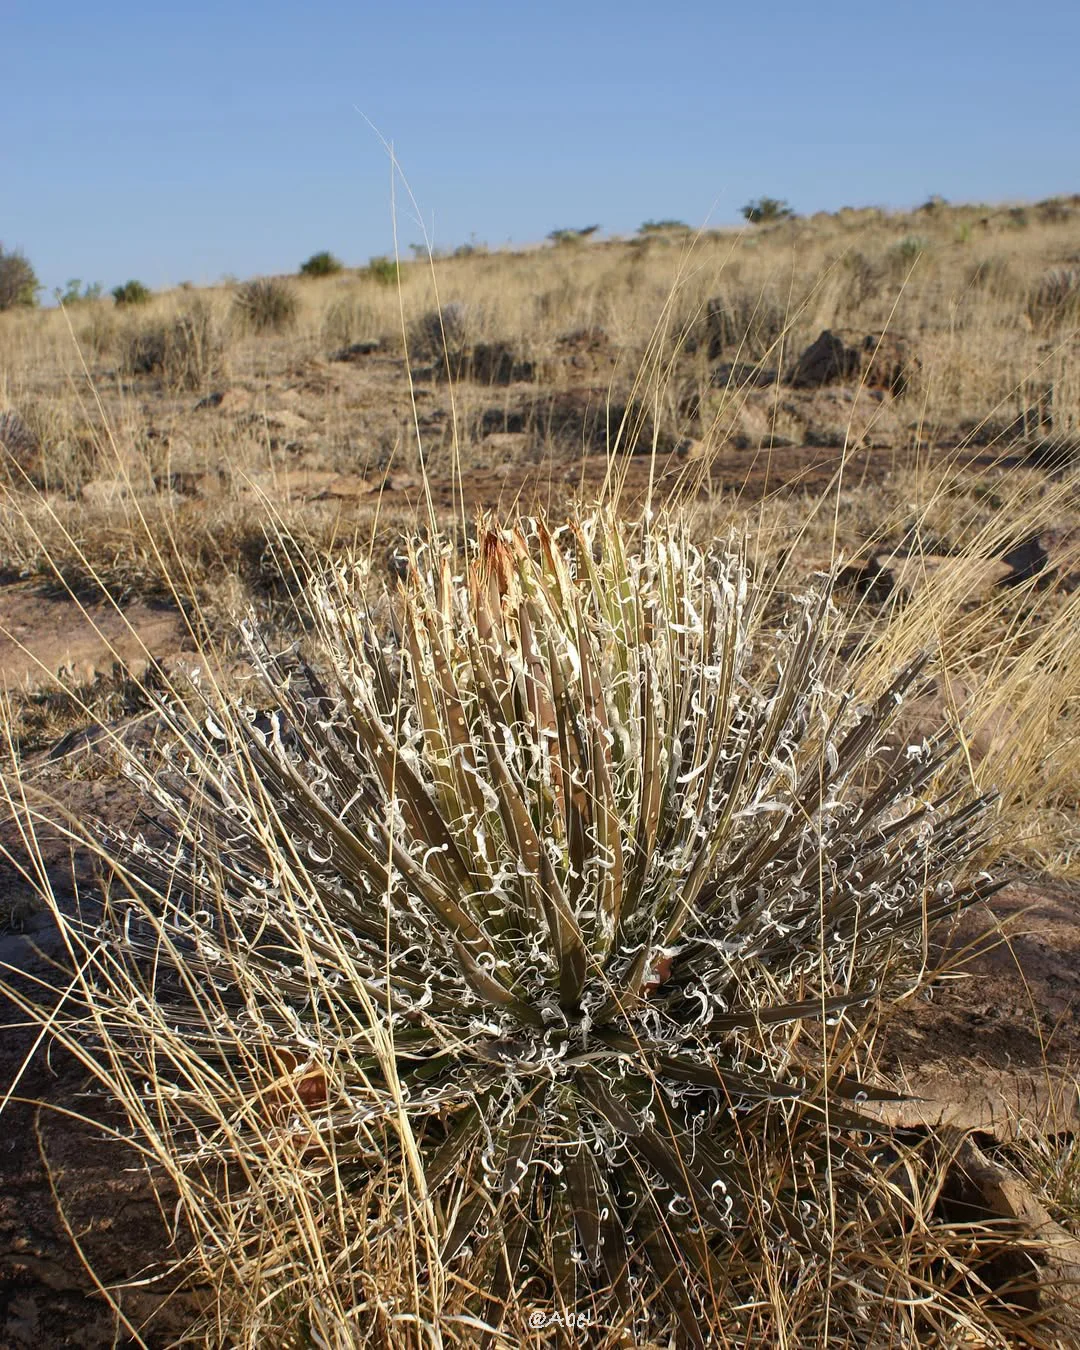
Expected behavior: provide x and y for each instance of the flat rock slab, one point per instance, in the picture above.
(1005, 1103)
(44, 637)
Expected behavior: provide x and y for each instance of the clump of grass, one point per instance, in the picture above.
(904, 254)
(187, 350)
(745, 323)
(348, 319)
(266, 305)
(442, 336)
(1054, 300)
(131, 293)
(993, 274)
(864, 278)
(535, 924)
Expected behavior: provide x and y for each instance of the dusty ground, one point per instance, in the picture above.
(71, 1196)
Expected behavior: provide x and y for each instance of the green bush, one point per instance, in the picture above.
(265, 305)
(18, 281)
(322, 264)
(131, 293)
(766, 210)
(384, 270)
(557, 865)
(573, 236)
(75, 293)
(663, 227)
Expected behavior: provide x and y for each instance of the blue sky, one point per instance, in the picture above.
(196, 140)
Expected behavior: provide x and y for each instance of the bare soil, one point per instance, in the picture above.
(73, 1197)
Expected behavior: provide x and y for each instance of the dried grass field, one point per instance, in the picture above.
(541, 796)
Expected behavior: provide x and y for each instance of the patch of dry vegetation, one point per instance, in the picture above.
(215, 466)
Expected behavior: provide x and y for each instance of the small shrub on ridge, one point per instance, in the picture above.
(766, 210)
(322, 264)
(131, 293)
(75, 293)
(1055, 299)
(384, 270)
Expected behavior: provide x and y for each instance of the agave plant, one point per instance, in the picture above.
(574, 863)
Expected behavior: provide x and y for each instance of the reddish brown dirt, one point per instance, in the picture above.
(750, 474)
(61, 1178)
(44, 633)
(1002, 1033)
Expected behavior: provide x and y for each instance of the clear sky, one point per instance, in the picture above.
(194, 140)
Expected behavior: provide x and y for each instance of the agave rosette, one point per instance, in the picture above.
(563, 861)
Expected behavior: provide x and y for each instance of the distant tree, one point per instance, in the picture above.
(664, 227)
(322, 264)
(572, 236)
(75, 293)
(18, 280)
(765, 210)
(131, 293)
(472, 248)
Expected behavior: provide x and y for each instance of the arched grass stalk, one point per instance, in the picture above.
(563, 885)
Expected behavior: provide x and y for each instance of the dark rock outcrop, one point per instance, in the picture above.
(877, 360)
